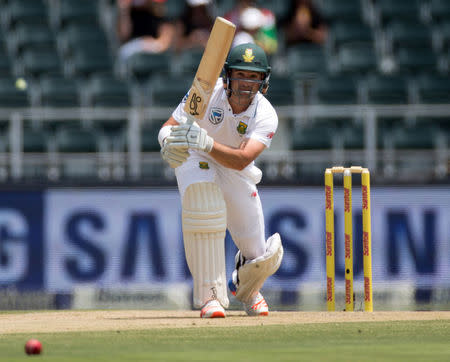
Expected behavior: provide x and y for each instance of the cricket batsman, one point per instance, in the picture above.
(214, 165)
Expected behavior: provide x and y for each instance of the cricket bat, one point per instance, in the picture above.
(209, 69)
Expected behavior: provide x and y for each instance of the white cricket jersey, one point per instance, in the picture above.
(258, 122)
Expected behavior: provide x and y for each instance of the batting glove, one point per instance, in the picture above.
(175, 157)
(190, 136)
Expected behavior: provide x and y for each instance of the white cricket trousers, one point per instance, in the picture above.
(245, 220)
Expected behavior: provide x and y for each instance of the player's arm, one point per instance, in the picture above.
(239, 158)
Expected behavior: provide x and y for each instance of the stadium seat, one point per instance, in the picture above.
(421, 136)
(343, 32)
(81, 35)
(397, 10)
(279, 8)
(143, 66)
(76, 11)
(306, 60)
(58, 92)
(353, 137)
(357, 58)
(336, 90)
(408, 34)
(25, 12)
(40, 62)
(31, 37)
(188, 61)
(387, 89)
(281, 91)
(342, 10)
(313, 137)
(11, 96)
(434, 89)
(86, 63)
(415, 60)
(440, 10)
(106, 91)
(76, 140)
(4, 62)
(149, 136)
(34, 140)
(444, 32)
(168, 91)
(174, 8)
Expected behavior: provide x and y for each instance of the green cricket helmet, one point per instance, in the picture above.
(250, 57)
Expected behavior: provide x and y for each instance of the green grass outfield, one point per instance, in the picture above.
(368, 341)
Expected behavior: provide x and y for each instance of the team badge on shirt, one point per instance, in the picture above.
(216, 115)
(242, 127)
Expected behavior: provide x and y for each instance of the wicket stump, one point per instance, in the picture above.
(348, 220)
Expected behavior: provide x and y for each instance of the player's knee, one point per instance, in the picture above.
(204, 208)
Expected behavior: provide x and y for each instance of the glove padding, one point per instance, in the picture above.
(190, 136)
(174, 156)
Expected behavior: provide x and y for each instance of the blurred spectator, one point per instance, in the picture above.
(251, 22)
(266, 36)
(304, 24)
(143, 27)
(194, 26)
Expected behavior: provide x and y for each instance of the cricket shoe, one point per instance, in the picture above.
(212, 309)
(257, 306)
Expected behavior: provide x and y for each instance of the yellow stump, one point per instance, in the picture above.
(329, 239)
(348, 244)
(367, 242)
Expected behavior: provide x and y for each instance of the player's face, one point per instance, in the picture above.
(245, 83)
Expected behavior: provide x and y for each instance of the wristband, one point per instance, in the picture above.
(164, 132)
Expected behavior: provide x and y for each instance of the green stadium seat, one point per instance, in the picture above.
(78, 35)
(105, 91)
(189, 60)
(408, 34)
(168, 91)
(342, 10)
(313, 137)
(434, 89)
(143, 66)
(343, 32)
(40, 62)
(86, 63)
(281, 91)
(25, 12)
(11, 96)
(353, 137)
(31, 37)
(149, 136)
(58, 92)
(444, 33)
(77, 11)
(76, 140)
(306, 60)
(387, 89)
(174, 8)
(420, 136)
(440, 10)
(279, 8)
(35, 140)
(357, 58)
(397, 10)
(415, 60)
(336, 90)
(5, 67)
